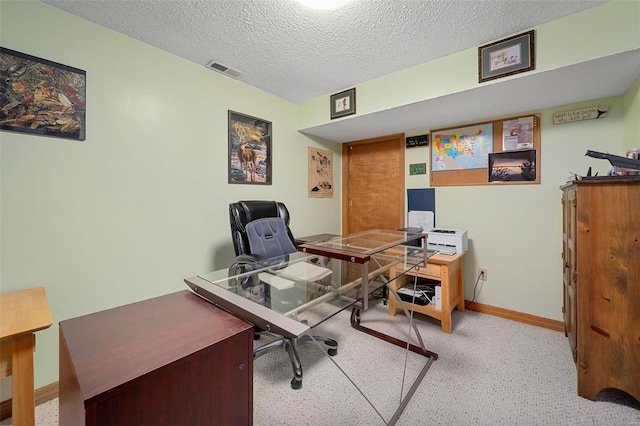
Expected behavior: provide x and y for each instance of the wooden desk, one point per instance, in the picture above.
(174, 359)
(446, 269)
(22, 313)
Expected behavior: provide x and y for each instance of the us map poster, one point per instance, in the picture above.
(463, 148)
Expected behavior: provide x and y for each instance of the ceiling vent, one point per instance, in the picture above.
(216, 66)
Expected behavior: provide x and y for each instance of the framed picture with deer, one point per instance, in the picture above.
(249, 149)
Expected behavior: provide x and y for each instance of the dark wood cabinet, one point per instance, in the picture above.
(174, 359)
(601, 280)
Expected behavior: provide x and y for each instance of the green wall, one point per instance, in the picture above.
(515, 231)
(632, 116)
(143, 202)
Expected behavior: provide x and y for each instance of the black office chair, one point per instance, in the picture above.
(260, 231)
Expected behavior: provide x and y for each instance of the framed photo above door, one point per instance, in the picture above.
(343, 103)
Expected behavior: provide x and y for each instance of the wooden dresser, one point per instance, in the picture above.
(174, 359)
(601, 280)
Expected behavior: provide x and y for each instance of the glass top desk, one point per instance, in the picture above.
(290, 295)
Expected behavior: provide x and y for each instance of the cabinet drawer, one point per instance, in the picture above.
(432, 271)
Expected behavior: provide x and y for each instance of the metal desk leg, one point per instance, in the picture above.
(421, 350)
(355, 323)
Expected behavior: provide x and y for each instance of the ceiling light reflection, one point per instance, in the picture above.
(323, 4)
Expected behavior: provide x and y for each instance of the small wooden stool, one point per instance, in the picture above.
(22, 313)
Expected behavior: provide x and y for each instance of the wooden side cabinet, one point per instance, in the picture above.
(174, 359)
(448, 271)
(601, 280)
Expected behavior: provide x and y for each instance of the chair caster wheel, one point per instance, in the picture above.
(256, 336)
(332, 352)
(295, 384)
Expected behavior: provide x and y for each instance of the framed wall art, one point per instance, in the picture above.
(320, 173)
(41, 97)
(343, 103)
(512, 166)
(506, 57)
(418, 169)
(416, 141)
(249, 149)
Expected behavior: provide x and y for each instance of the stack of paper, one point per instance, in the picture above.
(304, 271)
(421, 219)
(275, 281)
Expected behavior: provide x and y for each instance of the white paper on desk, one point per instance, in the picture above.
(421, 219)
(305, 271)
(276, 281)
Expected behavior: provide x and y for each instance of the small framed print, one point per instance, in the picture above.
(418, 169)
(506, 57)
(343, 103)
(415, 141)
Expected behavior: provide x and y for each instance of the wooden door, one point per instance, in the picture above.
(373, 184)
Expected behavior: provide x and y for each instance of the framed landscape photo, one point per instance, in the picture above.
(513, 166)
(249, 149)
(41, 97)
(343, 103)
(506, 57)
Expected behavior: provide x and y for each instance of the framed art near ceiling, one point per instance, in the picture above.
(41, 97)
(506, 57)
(343, 103)
(249, 149)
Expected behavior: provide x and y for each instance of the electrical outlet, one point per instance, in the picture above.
(483, 274)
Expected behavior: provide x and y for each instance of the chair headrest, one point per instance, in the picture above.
(249, 211)
(242, 213)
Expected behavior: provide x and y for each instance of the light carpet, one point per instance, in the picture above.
(490, 371)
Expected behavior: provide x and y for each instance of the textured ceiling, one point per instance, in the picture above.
(298, 54)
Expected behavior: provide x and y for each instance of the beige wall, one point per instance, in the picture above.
(143, 202)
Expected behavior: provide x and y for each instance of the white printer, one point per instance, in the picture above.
(447, 241)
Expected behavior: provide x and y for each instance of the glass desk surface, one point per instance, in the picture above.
(302, 289)
(290, 295)
(368, 242)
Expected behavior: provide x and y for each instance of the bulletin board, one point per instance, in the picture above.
(481, 153)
